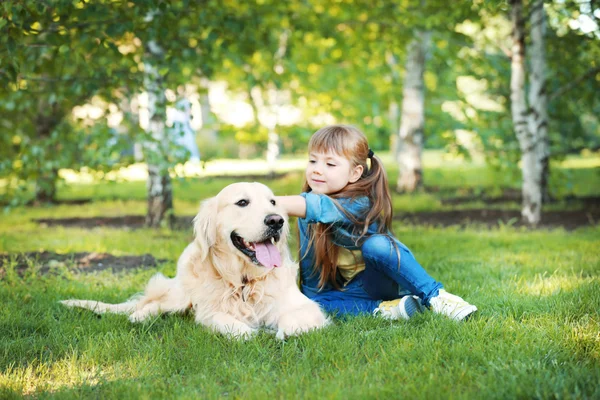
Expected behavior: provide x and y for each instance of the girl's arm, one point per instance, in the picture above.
(295, 206)
(321, 208)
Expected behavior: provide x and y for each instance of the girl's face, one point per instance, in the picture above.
(328, 173)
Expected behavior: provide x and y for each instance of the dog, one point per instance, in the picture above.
(237, 274)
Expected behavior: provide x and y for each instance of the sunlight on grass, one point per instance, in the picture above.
(224, 167)
(415, 203)
(139, 171)
(586, 335)
(74, 370)
(587, 159)
(544, 285)
(50, 377)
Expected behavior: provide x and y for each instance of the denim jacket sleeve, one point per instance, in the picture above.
(321, 208)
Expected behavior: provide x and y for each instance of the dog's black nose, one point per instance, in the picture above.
(274, 221)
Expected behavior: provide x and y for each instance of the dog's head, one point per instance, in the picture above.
(244, 219)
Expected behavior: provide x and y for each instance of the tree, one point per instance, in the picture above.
(411, 132)
(174, 54)
(530, 116)
(571, 84)
(78, 49)
(46, 70)
(160, 191)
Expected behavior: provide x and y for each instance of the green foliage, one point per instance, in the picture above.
(58, 54)
(97, 148)
(55, 56)
(572, 84)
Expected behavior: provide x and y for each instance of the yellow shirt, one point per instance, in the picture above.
(350, 263)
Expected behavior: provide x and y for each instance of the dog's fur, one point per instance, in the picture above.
(227, 291)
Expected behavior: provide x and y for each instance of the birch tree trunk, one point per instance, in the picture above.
(266, 113)
(256, 103)
(538, 92)
(394, 120)
(530, 122)
(411, 133)
(273, 149)
(208, 131)
(159, 188)
(393, 109)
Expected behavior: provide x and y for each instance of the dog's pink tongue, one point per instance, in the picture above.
(267, 254)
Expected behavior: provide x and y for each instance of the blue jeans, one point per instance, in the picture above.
(384, 278)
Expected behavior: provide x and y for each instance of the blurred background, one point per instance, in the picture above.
(505, 94)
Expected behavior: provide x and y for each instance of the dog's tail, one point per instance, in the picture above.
(100, 308)
(161, 295)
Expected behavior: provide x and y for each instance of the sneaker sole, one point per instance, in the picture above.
(412, 306)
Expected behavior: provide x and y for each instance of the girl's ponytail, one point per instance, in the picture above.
(376, 184)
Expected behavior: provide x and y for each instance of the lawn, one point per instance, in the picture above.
(537, 334)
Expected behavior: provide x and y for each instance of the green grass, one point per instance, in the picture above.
(537, 334)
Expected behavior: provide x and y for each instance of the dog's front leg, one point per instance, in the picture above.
(299, 314)
(227, 325)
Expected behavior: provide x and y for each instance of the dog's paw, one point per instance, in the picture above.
(300, 321)
(139, 316)
(240, 332)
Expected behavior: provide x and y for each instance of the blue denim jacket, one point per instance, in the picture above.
(321, 208)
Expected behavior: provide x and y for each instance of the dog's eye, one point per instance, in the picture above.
(242, 203)
(273, 202)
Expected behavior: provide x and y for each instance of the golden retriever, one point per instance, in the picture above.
(237, 274)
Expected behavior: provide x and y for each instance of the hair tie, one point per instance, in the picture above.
(371, 154)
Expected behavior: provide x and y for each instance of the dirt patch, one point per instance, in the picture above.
(82, 262)
(491, 217)
(125, 222)
(516, 197)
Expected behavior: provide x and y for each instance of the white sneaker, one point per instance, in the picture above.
(403, 308)
(451, 306)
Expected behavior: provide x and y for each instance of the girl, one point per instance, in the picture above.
(349, 261)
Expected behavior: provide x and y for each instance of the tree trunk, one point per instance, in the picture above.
(270, 119)
(393, 109)
(160, 197)
(182, 132)
(394, 118)
(530, 123)
(273, 149)
(411, 133)
(159, 188)
(255, 98)
(208, 131)
(538, 93)
(45, 184)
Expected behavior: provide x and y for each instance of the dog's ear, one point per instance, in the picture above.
(205, 225)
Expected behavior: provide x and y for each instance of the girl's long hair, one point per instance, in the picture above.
(349, 142)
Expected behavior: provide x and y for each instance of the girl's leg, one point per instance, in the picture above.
(382, 265)
(379, 285)
(344, 303)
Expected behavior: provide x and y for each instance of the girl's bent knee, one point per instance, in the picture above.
(377, 242)
(378, 245)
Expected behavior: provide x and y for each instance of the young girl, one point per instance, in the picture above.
(349, 261)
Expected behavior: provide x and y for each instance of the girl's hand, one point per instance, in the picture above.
(295, 206)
